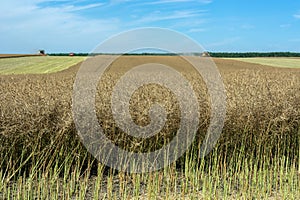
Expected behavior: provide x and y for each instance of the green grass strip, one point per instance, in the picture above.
(37, 65)
(274, 62)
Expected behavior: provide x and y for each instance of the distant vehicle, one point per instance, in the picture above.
(71, 54)
(205, 54)
(42, 52)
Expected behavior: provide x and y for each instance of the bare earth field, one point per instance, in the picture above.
(17, 55)
(256, 157)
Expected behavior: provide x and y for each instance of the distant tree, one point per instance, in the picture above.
(253, 54)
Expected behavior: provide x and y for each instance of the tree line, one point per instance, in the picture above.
(253, 54)
(212, 54)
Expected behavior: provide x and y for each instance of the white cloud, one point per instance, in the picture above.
(297, 16)
(225, 42)
(294, 40)
(52, 26)
(195, 23)
(180, 1)
(197, 30)
(116, 2)
(159, 16)
(247, 26)
(56, 25)
(72, 8)
(285, 25)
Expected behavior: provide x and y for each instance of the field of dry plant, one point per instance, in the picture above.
(260, 141)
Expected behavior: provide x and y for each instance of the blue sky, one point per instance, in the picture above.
(218, 25)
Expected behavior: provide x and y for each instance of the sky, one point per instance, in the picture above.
(217, 25)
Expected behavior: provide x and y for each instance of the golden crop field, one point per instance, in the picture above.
(257, 155)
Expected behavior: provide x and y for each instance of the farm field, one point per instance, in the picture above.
(256, 157)
(275, 62)
(17, 55)
(37, 64)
